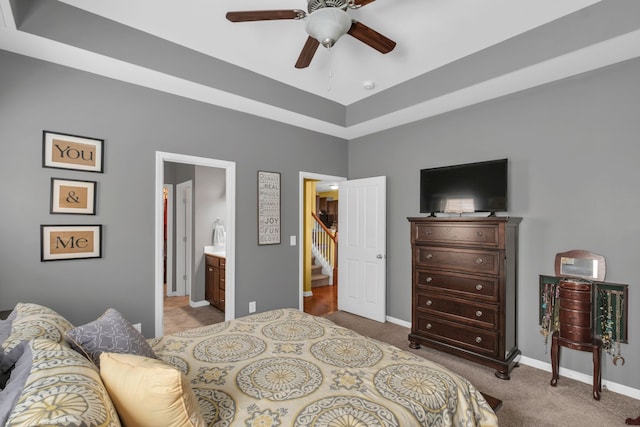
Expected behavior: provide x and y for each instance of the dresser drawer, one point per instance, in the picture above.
(465, 285)
(486, 235)
(575, 333)
(575, 318)
(573, 304)
(480, 341)
(469, 312)
(473, 261)
(566, 294)
(575, 286)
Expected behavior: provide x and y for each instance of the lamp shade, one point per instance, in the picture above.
(328, 24)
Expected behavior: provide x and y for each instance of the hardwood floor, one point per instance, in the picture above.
(178, 315)
(324, 301)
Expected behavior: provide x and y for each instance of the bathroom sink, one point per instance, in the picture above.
(218, 251)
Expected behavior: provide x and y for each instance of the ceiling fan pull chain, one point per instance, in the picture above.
(330, 69)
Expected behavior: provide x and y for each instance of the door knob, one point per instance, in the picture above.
(379, 256)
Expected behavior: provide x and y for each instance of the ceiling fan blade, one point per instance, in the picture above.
(372, 38)
(360, 3)
(309, 49)
(265, 15)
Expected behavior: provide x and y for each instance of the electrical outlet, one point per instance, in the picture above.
(252, 307)
(138, 326)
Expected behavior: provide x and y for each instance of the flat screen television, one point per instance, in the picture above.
(471, 187)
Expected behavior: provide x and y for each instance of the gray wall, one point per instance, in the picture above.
(135, 123)
(573, 150)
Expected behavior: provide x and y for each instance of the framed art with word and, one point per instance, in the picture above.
(72, 196)
(65, 151)
(65, 242)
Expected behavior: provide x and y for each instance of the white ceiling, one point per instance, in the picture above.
(429, 34)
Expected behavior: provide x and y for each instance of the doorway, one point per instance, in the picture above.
(326, 296)
(197, 298)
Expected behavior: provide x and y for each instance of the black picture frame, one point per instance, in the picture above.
(67, 242)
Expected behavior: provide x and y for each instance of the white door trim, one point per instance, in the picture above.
(184, 229)
(169, 188)
(230, 168)
(303, 176)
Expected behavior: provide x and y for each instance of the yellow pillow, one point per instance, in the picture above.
(149, 392)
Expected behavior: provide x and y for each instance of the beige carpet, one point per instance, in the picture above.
(528, 399)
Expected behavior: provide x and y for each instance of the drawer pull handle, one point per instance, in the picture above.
(429, 302)
(429, 279)
(210, 269)
(429, 256)
(480, 233)
(429, 232)
(479, 287)
(429, 326)
(479, 260)
(479, 313)
(478, 340)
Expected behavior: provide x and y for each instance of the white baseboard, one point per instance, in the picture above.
(195, 304)
(584, 378)
(398, 322)
(307, 294)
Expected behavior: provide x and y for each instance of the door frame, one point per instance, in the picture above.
(301, 234)
(184, 248)
(169, 266)
(230, 273)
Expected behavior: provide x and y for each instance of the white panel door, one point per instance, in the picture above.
(362, 241)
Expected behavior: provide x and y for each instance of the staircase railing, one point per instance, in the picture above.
(325, 243)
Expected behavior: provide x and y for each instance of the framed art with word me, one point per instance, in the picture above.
(64, 242)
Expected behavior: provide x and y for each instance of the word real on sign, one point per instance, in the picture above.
(268, 208)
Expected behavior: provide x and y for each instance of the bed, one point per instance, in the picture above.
(277, 368)
(289, 368)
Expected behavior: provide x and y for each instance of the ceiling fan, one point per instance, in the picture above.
(326, 22)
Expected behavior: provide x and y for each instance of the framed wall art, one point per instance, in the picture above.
(72, 196)
(64, 151)
(65, 242)
(268, 208)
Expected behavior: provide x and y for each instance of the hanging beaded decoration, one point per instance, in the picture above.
(610, 322)
(550, 321)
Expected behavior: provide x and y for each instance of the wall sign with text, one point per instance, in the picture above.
(75, 152)
(268, 208)
(63, 242)
(72, 196)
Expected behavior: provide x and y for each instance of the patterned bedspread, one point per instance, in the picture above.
(288, 368)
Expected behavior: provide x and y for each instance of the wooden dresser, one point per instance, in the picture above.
(464, 288)
(214, 290)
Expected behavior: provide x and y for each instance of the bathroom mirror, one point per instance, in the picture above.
(581, 264)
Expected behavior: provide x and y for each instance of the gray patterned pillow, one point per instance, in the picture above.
(52, 385)
(29, 321)
(109, 333)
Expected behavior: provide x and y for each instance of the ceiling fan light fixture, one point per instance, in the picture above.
(327, 25)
